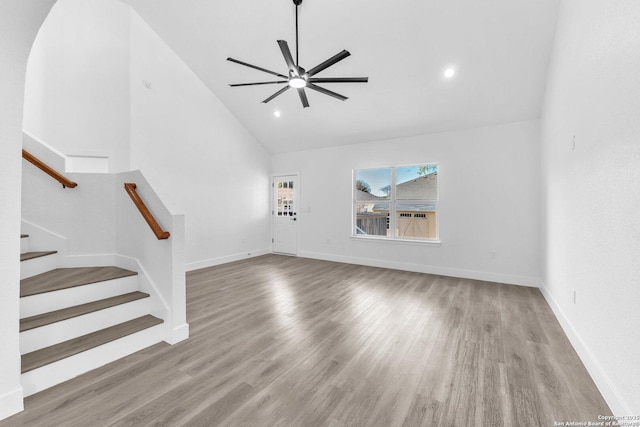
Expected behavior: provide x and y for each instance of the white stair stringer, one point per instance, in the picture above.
(55, 333)
(56, 300)
(63, 370)
(33, 267)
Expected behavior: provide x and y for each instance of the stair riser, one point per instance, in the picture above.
(24, 245)
(51, 301)
(66, 369)
(58, 332)
(35, 266)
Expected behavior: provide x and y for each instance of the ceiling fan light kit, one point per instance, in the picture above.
(298, 78)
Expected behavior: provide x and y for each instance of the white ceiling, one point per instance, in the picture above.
(500, 49)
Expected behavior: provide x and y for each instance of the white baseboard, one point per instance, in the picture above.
(11, 403)
(90, 260)
(177, 334)
(226, 259)
(429, 269)
(598, 374)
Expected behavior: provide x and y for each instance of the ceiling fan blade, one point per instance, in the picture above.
(257, 68)
(258, 83)
(328, 63)
(281, 91)
(284, 47)
(326, 91)
(339, 79)
(303, 97)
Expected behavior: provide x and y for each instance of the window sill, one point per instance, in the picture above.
(434, 242)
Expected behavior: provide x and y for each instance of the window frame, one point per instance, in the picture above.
(393, 202)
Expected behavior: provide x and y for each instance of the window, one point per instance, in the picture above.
(396, 202)
(285, 198)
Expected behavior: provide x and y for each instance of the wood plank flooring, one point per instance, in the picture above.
(288, 341)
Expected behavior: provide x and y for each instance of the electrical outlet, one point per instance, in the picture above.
(492, 254)
(573, 143)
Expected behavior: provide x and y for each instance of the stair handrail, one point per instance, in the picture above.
(48, 170)
(161, 234)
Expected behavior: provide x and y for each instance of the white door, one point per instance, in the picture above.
(285, 214)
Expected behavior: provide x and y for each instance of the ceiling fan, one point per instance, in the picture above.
(298, 77)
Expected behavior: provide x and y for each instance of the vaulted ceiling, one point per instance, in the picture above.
(500, 50)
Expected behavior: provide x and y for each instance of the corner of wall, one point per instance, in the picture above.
(595, 369)
(212, 262)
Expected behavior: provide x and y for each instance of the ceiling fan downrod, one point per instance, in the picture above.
(297, 3)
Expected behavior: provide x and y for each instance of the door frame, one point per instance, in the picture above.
(296, 195)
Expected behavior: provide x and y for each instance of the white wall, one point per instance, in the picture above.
(196, 155)
(489, 195)
(19, 22)
(591, 196)
(77, 92)
(84, 215)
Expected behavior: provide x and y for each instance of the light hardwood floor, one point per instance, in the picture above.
(296, 342)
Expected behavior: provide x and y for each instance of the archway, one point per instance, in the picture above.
(19, 24)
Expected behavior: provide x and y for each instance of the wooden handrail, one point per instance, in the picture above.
(48, 170)
(130, 187)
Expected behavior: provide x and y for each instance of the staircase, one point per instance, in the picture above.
(73, 320)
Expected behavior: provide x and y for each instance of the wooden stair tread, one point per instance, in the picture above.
(45, 356)
(78, 310)
(63, 278)
(31, 255)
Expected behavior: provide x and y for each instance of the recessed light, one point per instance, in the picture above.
(277, 113)
(449, 73)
